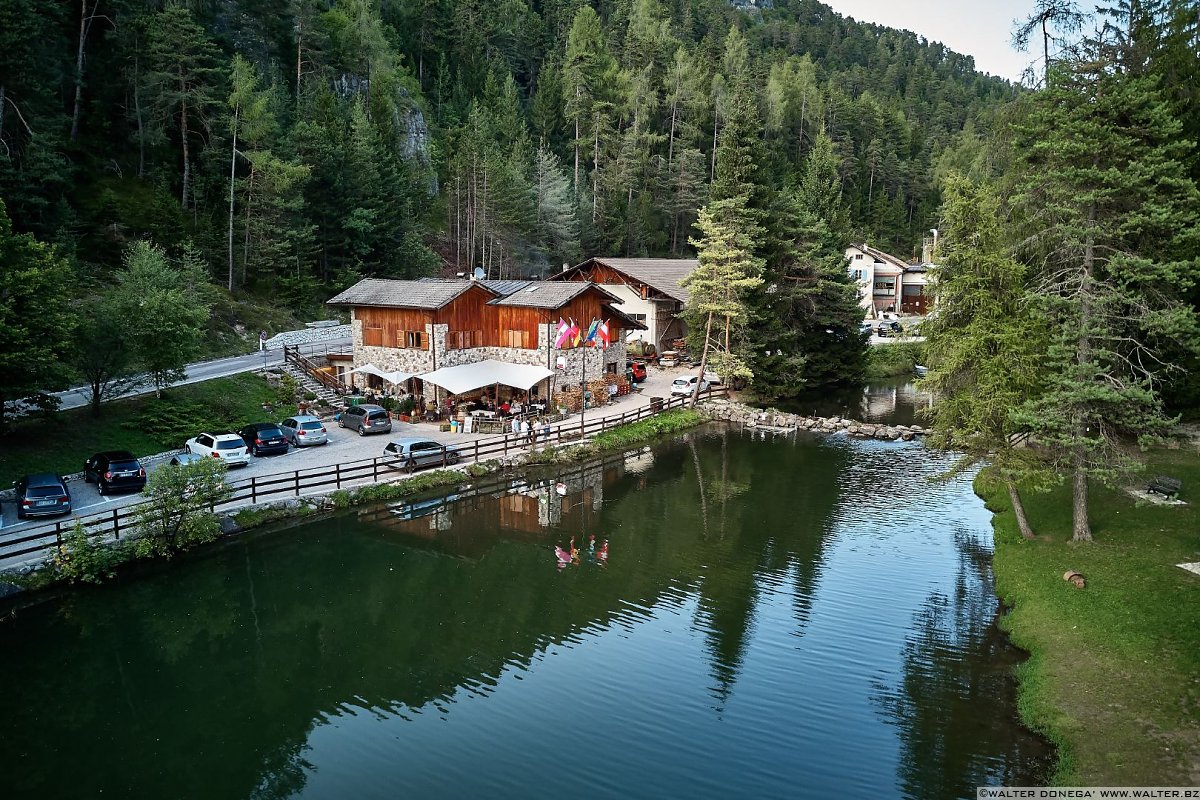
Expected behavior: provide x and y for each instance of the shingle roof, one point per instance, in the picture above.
(661, 274)
(425, 294)
(547, 294)
(505, 288)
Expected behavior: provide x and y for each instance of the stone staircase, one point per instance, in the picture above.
(307, 383)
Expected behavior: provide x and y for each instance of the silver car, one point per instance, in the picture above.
(303, 430)
(411, 454)
(366, 419)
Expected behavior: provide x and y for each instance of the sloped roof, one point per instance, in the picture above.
(881, 256)
(547, 294)
(503, 288)
(662, 274)
(421, 294)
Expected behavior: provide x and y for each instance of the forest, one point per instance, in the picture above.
(298, 143)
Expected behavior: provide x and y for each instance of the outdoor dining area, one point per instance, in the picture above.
(483, 397)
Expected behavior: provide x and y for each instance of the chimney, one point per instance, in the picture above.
(566, 266)
(927, 251)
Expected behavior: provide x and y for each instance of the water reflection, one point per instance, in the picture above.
(732, 633)
(891, 403)
(957, 662)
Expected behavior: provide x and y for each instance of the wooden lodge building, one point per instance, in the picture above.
(419, 326)
(649, 288)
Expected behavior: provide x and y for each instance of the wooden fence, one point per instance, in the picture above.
(46, 538)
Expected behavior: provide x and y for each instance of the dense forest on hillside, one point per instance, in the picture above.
(297, 143)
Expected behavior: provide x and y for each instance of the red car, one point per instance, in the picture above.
(638, 370)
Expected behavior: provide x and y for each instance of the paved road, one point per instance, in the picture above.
(203, 371)
(344, 446)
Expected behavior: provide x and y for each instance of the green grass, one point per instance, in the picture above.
(619, 437)
(143, 425)
(1114, 672)
(892, 359)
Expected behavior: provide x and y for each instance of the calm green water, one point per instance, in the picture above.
(775, 618)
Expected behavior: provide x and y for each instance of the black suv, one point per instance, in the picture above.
(890, 327)
(115, 469)
(264, 438)
(365, 419)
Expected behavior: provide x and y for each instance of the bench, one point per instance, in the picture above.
(1166, 486)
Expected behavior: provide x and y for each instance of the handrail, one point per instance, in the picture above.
(291, 355)
(48, 537)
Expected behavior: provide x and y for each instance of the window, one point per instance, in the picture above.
(885, 287)
(912, 290)
(414, 340)
(372, 336)
(463, 340)
(513, 338)
(638, 317)
(858, 256)
(611, 368)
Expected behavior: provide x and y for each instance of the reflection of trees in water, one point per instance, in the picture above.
(956, 663)
(218, 669)
(762, 542)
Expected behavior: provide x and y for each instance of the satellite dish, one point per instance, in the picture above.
(478, 273)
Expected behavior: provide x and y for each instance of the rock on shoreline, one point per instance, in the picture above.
(778, 420)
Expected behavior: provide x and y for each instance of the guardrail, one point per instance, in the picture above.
(47, 538)
(291, 355)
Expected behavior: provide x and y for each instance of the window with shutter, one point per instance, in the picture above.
(372, 337)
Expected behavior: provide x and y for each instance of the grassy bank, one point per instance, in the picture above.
(143, 425)
(893, 359)
(1112, 676)
(620, 437)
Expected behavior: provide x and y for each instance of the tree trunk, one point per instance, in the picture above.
(232, 176)
(577, 115)
(187, 164)
(1081, 528)
(137, 110)
(2, 114)
(1014, 496)
(84, 24)
(299, 59)
(703, 360)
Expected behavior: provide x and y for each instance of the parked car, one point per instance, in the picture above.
(638, 370)
(866, 328)
(682, 387)
(115, 469)
(303, 430)
(180, 459)
(366, 419)
(411, 454)
(264, 438)
(920, 370)
(711, 377)
(42, 495)
(890, 327)
(229, 447)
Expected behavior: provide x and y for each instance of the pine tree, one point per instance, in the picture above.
(1112, 220)
(182, 79)
(717, 288)
(984, 348)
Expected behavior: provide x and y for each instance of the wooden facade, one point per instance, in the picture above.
(472, 320)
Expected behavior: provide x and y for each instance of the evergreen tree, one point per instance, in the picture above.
(717, 288)
(1111, 229)
(182, 79)
(984, 348)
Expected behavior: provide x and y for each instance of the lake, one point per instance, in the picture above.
(766, 617)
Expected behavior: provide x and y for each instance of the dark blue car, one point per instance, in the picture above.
(264, 439)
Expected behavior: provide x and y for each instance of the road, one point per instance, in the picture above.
(202, 371)
(344, 446)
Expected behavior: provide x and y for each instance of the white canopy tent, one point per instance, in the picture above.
(466, 377)
(390, 377)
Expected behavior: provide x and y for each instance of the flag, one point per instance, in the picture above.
(561, 338)
(576, 338)
(603, 331)
(591, 334)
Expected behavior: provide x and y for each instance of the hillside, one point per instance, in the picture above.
(408, 136)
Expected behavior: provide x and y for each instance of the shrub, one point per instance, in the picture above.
(287, 389)
(177, 513)
(83, 558)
